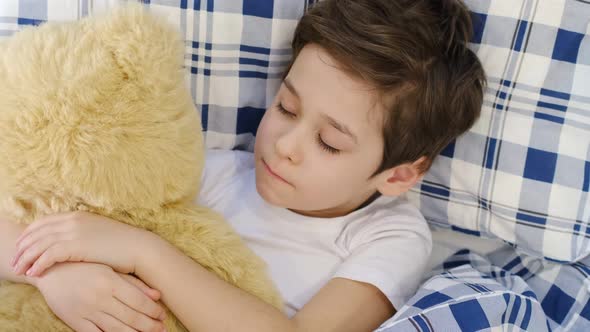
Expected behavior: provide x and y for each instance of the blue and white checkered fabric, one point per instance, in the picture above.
(236, 52)
(15, 13)
(522, 173)
(502, 292)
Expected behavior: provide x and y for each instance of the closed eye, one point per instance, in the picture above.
(327, 147)
(284, 111)
(323, 145)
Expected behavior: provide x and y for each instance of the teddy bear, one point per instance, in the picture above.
(96, 115)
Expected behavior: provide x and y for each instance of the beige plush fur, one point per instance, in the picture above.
(95, 116)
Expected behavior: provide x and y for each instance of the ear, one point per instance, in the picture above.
(399, 179)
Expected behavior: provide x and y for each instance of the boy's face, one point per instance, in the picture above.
(321, 140)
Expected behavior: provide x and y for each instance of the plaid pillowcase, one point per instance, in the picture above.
(15, 14)
(522, 173)
(236, 52)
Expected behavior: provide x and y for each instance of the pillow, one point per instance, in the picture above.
(522, 173)
(236, 54)
(15, 14)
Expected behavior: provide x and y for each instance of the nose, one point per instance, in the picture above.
(288, 145)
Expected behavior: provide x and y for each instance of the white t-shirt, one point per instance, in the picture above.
(386, 244)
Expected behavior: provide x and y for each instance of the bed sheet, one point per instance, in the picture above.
(478, 284)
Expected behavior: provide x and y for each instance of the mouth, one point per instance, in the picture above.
(273, 174)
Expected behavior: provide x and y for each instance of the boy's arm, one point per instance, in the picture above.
(9, 232)
(85, 296)
(203, 302)
(198, 298)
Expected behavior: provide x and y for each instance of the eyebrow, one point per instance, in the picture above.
(340, 127)
(291, 88)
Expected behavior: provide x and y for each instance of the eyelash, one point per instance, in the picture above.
(284, 111)
(322, 144)
(326, 147)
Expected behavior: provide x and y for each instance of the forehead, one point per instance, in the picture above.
(324, 87)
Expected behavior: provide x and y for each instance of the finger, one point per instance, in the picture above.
(38, 233)
(109, 323)
(132, 318)
(84, 326)
(41, 222)
(34, 236)
(26, 256)
(58, 253)
(154, 294)
(130, 296)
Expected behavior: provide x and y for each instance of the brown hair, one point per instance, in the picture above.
(414, 53)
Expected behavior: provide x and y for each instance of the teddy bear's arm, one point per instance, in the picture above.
(209, 240)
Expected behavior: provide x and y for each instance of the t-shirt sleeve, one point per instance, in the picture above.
(221, 166)
(390, 252)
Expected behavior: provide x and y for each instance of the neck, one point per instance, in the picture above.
(369, 200)
(339, 211)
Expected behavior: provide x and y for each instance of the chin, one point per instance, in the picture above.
(267, 194)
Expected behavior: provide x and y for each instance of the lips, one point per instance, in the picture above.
(273, 174)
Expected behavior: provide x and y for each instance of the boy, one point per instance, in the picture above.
(376, 90)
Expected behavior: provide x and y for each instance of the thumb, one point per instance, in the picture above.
(154, 294)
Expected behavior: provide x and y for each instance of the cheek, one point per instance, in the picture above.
(271, 127)
(264, 127)
(328, 190)
(341, 177)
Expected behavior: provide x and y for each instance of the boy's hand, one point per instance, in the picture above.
(93, 297)
(77, 237)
